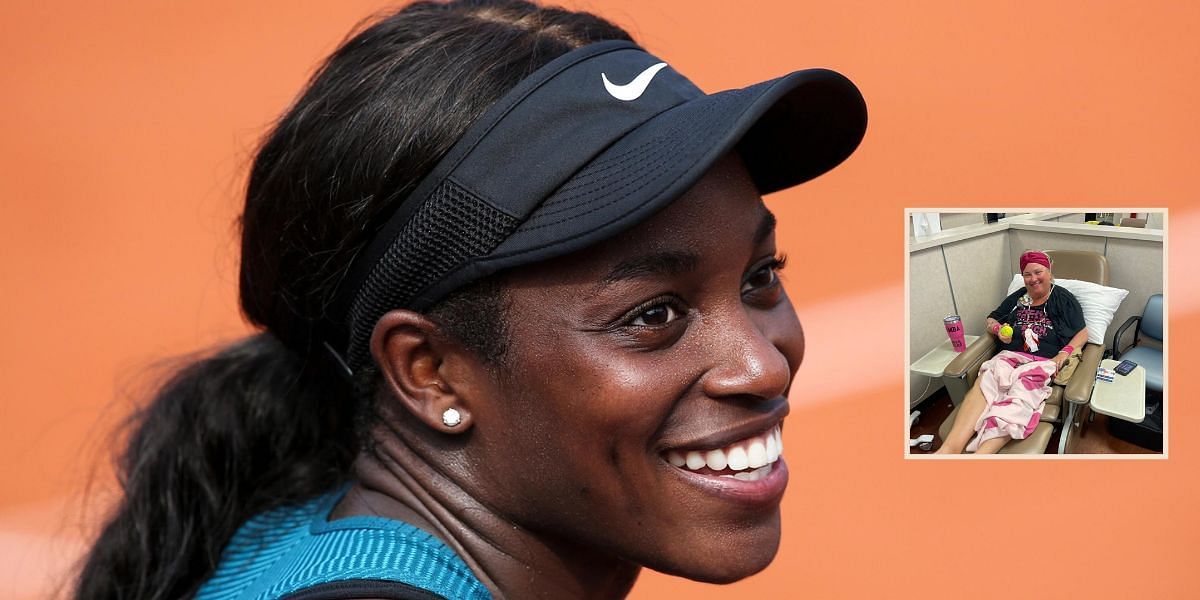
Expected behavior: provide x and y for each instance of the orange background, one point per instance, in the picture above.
(126, 131)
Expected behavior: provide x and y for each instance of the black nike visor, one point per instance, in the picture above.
(587, 146)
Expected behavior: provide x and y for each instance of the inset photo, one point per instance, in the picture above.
(1036, 333)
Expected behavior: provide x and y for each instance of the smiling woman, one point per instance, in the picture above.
(1038, 329)
(617, 368)
(522, 328)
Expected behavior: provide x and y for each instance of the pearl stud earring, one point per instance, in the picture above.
(451, 418)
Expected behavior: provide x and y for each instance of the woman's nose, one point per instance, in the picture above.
(749, 363)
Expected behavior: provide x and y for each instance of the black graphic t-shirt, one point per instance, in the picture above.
(1049, 327)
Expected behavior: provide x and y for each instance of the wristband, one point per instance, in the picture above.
(1068, 349)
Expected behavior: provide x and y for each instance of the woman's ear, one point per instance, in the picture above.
(411, 356)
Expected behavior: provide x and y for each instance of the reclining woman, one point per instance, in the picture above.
(1039, 328)
(522, 334)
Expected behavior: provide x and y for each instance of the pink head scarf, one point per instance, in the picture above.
(1033, 256)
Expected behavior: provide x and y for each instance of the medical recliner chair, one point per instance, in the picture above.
(1150, 325)
(1065, 406)
(1148, 432)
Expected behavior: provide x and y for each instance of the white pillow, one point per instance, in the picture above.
(1099, 302)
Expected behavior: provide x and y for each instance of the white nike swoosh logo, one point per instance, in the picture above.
(634, 89)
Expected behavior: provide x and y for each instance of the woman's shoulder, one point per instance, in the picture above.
(1063, 290)
(1063, 296)
(296, 548)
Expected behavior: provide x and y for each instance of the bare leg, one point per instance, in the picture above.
(964, 422)
(993, 445)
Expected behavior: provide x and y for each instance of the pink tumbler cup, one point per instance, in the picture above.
(955, 331)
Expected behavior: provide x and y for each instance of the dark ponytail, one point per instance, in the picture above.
(231, 434)
(267, 421)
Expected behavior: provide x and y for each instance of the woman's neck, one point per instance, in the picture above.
(1039, 301)
(395, 482)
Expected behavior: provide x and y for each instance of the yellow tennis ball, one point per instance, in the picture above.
(1006, 330)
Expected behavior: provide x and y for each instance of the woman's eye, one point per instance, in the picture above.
(656, 316)
(759, 279)
(763, 277)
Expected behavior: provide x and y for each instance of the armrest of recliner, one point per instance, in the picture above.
(967, 362)
(1079, 388)
(1116, 347)
(961, 372)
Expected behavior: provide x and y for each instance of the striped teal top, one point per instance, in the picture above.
(288, 550)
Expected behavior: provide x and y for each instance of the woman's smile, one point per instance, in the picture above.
(1035, 280)
(749, 470)
(731, 459)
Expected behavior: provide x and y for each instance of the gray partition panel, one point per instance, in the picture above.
(1021, 240)
(952, 220)
(1137, 266)
(979, 275)
(929, 302)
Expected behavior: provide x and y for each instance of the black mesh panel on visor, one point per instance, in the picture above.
(451, 227)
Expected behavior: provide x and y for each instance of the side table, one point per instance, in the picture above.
(1124, 397)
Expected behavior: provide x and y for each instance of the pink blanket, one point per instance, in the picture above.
(1015, 386)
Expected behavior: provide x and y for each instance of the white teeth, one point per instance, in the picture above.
(757, 453)
(754, 475)
(738, 461)
(715, 459)
(772, 447)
